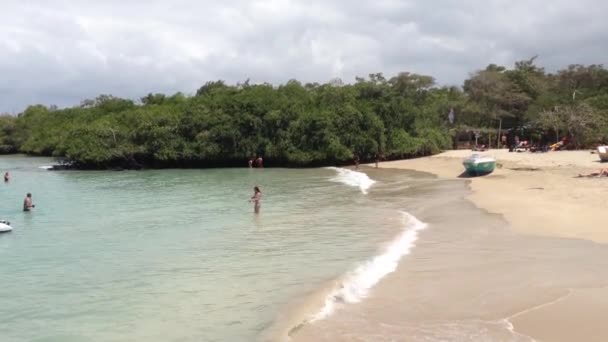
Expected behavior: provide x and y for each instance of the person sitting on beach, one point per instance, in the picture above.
(560, 144)
(600, 173)
(7, 177)
(522, 146)
(27, 202)
(256, 198)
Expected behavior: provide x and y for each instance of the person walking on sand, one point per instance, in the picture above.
(256, 199)
(27, 202)
(7, 177)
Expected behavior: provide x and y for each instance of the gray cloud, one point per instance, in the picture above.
(62, 51)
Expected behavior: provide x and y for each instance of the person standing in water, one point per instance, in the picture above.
(7, 177)
(27, 202)
(356, 160)
(256, 199)
(250, 163)
(259, 162)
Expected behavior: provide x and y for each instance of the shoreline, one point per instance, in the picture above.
(537, 193)
(503, 261)
(540, 195)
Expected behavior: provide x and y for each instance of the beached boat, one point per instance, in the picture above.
(477, 165)
(602, 151)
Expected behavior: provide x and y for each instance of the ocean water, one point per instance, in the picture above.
(335, 255)
(179, 255)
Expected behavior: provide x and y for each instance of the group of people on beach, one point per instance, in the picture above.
(28, 204)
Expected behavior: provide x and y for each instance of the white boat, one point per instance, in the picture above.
(602, 151)
(5, 226)
(477, 165)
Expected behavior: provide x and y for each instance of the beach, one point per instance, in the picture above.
(522, 257)
(538, 193)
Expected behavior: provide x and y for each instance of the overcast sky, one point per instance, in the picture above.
(62, 51)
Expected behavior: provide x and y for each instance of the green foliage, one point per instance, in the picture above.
(224, 125)
(8, 127)
(572, 102)
(312, 124)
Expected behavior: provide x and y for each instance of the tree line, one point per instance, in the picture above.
(311, 124)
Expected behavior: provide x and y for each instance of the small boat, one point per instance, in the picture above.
(477, 165)
(602, 151)
(5, 226)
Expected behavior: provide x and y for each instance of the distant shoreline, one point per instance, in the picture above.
(126, 166)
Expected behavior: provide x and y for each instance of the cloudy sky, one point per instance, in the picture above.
(62, 51)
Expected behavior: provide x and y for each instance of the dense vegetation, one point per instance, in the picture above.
(312, 124)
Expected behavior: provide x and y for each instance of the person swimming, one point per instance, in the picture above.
(256, 199)
(27, 202)
(7, 177)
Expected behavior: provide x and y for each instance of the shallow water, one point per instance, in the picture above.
(174, 255)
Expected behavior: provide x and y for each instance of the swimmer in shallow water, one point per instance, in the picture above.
(7, 177)
(256, 198)
(27, 202)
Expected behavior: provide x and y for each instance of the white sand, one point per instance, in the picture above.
(538, 193)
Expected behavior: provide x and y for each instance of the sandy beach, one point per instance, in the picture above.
(531, 265)
(538, 193)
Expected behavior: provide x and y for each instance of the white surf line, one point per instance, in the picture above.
(352, 178)
(357, 283)
(510, 325)
(540, 306)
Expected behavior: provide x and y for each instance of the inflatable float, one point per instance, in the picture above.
(5, 226)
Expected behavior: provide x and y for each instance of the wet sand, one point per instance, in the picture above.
(537, 269)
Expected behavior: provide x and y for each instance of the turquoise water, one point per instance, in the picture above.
(175, 255)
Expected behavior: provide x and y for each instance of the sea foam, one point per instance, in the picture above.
(352, 178)
(357, 283)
